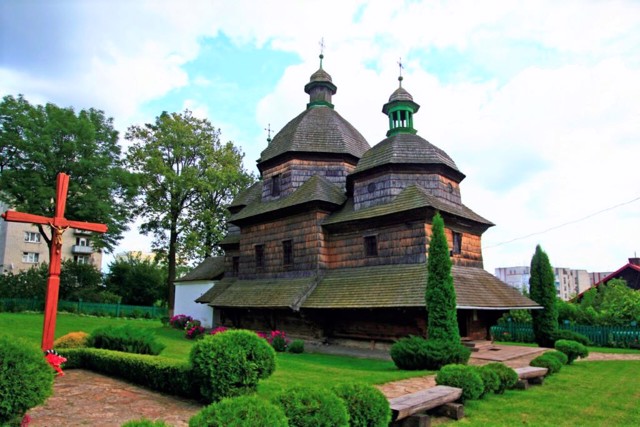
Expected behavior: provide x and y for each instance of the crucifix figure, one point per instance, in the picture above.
(58, 226)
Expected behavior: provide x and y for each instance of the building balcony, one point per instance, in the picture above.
(82, 232)
(84, 250)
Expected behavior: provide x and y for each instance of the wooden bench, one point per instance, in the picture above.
(530, 375)
(410, 405)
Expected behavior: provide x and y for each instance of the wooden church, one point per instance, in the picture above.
(332, 243)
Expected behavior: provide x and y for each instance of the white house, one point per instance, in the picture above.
(193, 285)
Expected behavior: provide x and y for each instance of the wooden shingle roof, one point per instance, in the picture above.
(318, 129)
(316, 188)
(412, 197)
(246, 197)
(272, 293)
(404, 286)
(211, 268)
(405, 148)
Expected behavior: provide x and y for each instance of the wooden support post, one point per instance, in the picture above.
(455, 411)
(536, 380)
(415, 420)
(522, 385)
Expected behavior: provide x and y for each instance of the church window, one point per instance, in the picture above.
(287, 253)
(457, 243)
(31, 237)
(235, 265)
(30, 257)
(370, 246)
(259, 256)
(275, 186)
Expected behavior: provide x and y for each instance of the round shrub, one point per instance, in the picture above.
(546, 361)
(462, 376)
(490, 380)
(413, 353)
(367, 406)
(562, 358)
(179, 321)
(144, 422)
(243, 411)
(125, 338)
(231, 363)
(564, 334)
(72, 340)
(193, 330)
(312, 407)
(572, 349)
(296, 346)
(507, 376)
(26, 380)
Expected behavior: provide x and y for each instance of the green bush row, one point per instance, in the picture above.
(413, 353)
(477, 381)
(127, 338)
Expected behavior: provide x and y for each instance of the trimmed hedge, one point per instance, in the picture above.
(490, 380)
(125, 338)
(243, 411)
(231, 364)
(312, 407)
(462, 376)
(367, 406)
(154, 372)
(552, 363)
(296, 346)
(506, 375)
(572, 349)
(26, 379)
(71, 340)
(562, 358)
(565, 334)
(413, 353)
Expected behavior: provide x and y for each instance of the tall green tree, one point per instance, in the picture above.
(37, 142)
(543, 291)
(188, 178)
(138, 281)
(440, 296)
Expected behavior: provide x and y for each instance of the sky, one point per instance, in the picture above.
(537, 102)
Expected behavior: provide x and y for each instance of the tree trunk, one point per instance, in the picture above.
(173, 238)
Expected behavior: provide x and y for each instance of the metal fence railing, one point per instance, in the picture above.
(606, 336)
(83, 307)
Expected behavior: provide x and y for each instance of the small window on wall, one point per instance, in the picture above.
(370, 246)
(287, 253)
(235, 265)
(30, 257)
(31, 237)
(259, 256)
(82, 259)
(275, 186)
(457, 243)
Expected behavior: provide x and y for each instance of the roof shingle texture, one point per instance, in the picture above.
(400, 94)
(210, 269)
(404, 148)
(319, 130)
(316, 188)
(248, 196)
(272, 293)
(404, 285)
(412, 197)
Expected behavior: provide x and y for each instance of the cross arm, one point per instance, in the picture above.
(14, 216)
(88, 226)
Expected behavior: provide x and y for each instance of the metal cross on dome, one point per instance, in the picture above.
(401, 68)
(59, 225)
(322, 45)
(268, 129)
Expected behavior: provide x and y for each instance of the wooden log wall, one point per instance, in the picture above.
(383, 188)
(471, 250)
(294, 324)
(308, 244)
(295, 172)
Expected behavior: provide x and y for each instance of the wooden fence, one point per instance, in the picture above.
(83, 307)
(605, 336)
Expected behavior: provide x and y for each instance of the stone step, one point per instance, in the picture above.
(477, 345)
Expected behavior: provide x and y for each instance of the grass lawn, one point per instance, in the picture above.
(308, 368)
(583, 394)
(592, 349)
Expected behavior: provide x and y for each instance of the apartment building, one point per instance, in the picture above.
(22, 247)
(569, 282)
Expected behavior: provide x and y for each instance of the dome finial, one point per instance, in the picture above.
(321, 51)
(401, 67)
(268, 129)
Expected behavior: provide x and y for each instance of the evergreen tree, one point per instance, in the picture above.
(440, 296)
(543, 291)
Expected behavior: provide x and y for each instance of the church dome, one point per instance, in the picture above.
(400, 94)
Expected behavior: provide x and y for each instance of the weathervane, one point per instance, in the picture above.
(401, 68)
(268, 129)
(321, 51)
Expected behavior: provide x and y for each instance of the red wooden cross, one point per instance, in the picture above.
(58, 226)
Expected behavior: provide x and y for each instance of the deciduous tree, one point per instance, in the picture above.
(543, 291)
(37, 142)
(188, 177)
(440, 296)
(138, 281)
